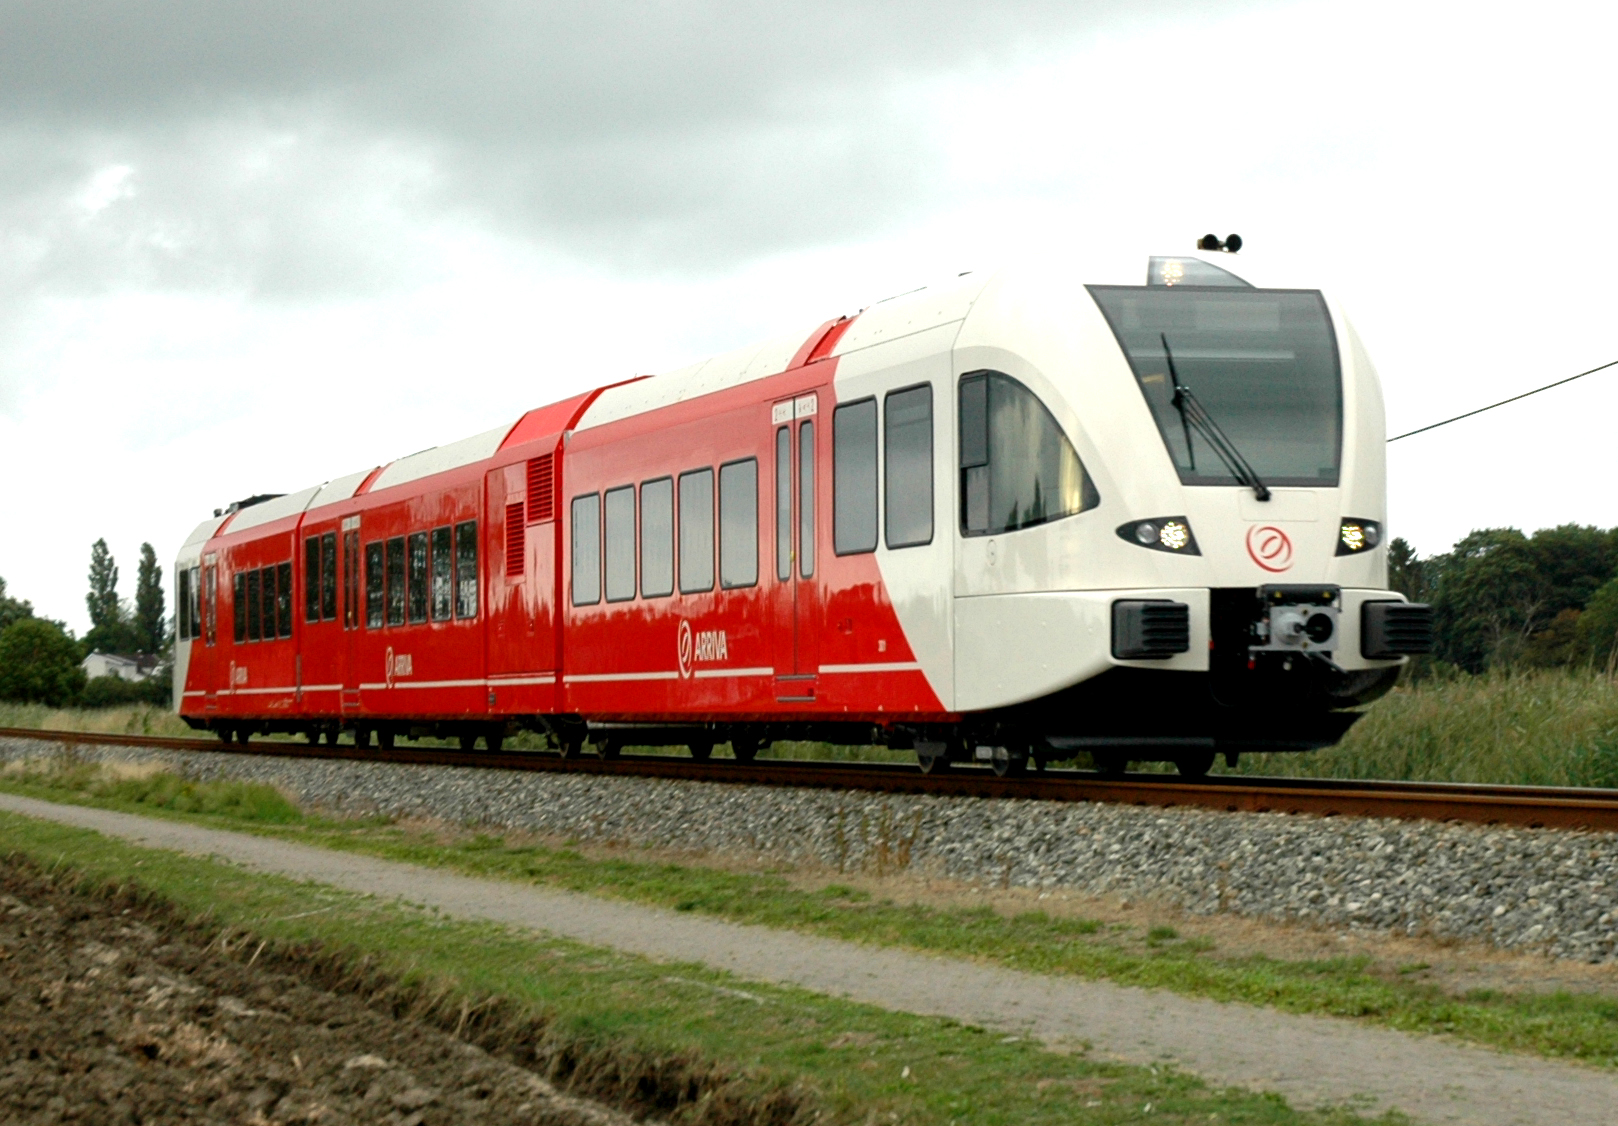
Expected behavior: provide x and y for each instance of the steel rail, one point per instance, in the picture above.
(1529, 806)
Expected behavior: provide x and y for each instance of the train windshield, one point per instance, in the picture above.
(1263, 364)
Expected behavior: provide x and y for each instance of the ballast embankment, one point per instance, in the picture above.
(1546, 889)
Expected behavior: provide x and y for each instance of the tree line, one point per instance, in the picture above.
(41, 661)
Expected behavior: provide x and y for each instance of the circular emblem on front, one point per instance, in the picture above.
(685, 648)
(1269, 547)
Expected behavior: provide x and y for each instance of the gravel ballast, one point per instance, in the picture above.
(1545, 889)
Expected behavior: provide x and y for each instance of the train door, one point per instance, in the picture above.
(203, 659)
(353, 614)
(795, 582)
(521, 619)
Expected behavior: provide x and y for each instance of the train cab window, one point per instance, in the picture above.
(328, 577)
(587, 550)
(907, 451)
(696, 531)
(417, 549)
(466, 569)
(806, 499)
(311, 579)
(283, 600)
(853, 457)
(619, 514)
(657, 538)
(738, 524)
(373, 586)
(443, 574)
(1017, 467)
(396, 580)
(255, 606)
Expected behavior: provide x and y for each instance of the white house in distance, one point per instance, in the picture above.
(119, 665)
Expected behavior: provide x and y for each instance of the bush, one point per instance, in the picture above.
(113, 691)
(39, 663)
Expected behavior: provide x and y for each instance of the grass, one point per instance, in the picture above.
(1577, 1026)
(776, 1055)
(1550, 727)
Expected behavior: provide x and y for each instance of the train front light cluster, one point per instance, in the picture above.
(1161, 533)
(1355, 537)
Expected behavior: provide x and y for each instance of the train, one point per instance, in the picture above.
(1132, 508)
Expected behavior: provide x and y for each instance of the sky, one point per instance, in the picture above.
(249, 247)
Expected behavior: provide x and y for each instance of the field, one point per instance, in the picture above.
(1551, 727)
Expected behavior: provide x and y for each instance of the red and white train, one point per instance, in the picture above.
(1007, 519)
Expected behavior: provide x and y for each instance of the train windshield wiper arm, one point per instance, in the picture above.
(1194, 416)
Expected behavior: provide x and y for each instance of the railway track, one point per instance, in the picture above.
(1529, 806)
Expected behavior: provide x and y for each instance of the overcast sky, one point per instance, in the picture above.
(248, 247)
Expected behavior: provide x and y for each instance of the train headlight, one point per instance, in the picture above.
(1161, 533)
(1354, 537)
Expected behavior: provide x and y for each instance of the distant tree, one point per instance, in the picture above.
(39, 663)
(1598, 628)
(12, 609)
(149, 606)
(1407, 572)
(1488, 599)
(111, 627)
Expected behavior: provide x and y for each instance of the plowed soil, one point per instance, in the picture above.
(112, 1015)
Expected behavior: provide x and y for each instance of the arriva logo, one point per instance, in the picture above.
(693, 646)
(1269, 547)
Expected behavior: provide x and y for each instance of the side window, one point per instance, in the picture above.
(619, 513)
(443, 574)
(853, 458)
(373, 585)
(466, 569)
(182, 605)
(907, 451)
(311, 579)
(283, 600)
(738, 524)
(417, 549)
(238, 608)
(1017, 467)
(657, 538)
(196, 603)
(328, 577)
(783, 503)
(269, 603)
(806, 499)
(696, 531)
(255, 606)
(396, 581)
(587, 550)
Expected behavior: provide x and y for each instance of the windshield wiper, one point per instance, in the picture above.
(1194, 416)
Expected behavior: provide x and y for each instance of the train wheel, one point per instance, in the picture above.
(494, 740)
(1194, 765)
(933, 761)
(746, 749)
(225, 734)
(243, 734)
(608, 749)
(701, 751)
(1110, 764)
(384, 739)
(362, 736)
(468, 740)
(1008, 761)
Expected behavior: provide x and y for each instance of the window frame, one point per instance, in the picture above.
(575, 540)
(441, 546)
(736, 463)
(416, 584)
(838, 546)
(607, 496)
(376, 598)
(643, 539)
(932, 469)
(466, 559)
(680, 526)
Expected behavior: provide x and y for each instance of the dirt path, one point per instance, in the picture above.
(1309, 1060)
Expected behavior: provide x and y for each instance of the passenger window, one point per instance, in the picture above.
(255, 606)
(182, 605)
(269, 603)
(328, 577)
(657, 538)
(311, 579)
(374, 599)
(587, 550)
(854, 477)
(351, 580)
(196, 602)
(696, 531)
(738, 524)
(907, 450)
(1017, 467)
(443, 574)
(466, 569)
(396, 581)
(783, 503)
(619, 513)
(806, 499)
(283, 600)
(418, 577)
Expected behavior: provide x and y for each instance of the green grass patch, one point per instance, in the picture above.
(1577, 1026)
(806, 1056)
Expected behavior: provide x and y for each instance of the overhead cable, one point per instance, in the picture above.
(1502, 402)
